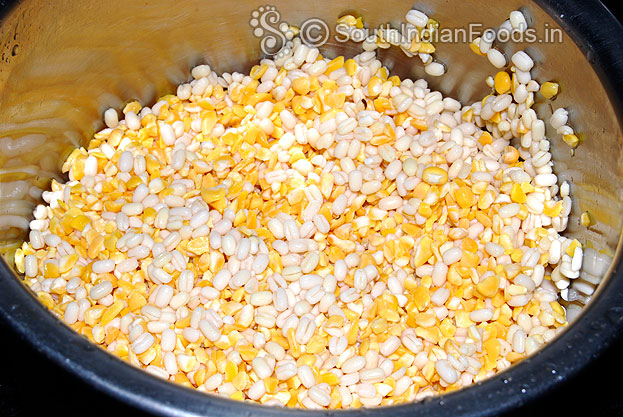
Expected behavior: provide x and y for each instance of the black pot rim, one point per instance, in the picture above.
(598, 34)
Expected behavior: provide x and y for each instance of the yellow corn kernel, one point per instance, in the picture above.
(465, 197)
(231, 370)
(335, 64)
(351, 20)
(423, 252)
(93, 314)
(316, 344)
(247, 352)
(425, 319)
(185, 322)
(330, 378)
(573, 246)
(46, 299)
(79, 222)
(257, 71)
(241, 381)
(516, 255)
(270, 384)
(301, 85)
(50, 270)
(378, 325)
(133, 106)
(462, 319)
(351, 67)
(485, 138)
(553, 210)
(111, 312)
(211, 195)
(294, 346)
(435, 176)
(199, 245)
(290, 398)
(352, 334)
(475, 48)
(511, 155)
(517, 194)
(549, 90)
(426, 48)
(421, 298)
(133, 183)
(492, 347)
(425, 210)
(431, 334)
(67, 262)
(238, 396)
(585, 219)
(502, 82)
(375, 85)
(572, 140)
(136, 301)
(489, 286)
(390, 315)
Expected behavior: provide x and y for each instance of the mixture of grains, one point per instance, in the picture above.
(317, 233)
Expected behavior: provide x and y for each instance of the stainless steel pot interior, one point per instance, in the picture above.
(64, 62)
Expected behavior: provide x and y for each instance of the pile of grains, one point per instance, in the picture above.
(413, 38)
(316, 234)
(522, 80)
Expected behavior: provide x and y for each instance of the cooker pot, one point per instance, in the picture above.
(64, 62)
